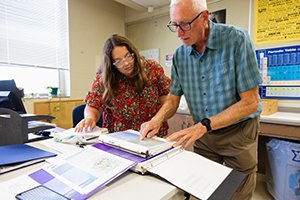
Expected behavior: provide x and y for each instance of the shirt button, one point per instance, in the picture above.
(201, 60)
(206, 109)
(202, 77)
(204, 93)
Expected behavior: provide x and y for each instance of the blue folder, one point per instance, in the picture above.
(18, 153)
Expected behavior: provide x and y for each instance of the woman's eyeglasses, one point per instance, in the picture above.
(120, 62)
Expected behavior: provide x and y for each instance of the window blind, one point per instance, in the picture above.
(34, 38)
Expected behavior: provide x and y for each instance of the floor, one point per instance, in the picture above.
(261, 192)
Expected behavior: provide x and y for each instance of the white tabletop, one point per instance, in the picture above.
(287, 118)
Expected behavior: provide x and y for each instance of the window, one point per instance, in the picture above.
(34, 44)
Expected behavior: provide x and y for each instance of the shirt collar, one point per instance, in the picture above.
(211, 42)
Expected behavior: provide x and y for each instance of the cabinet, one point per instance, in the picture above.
(179, 121)
(60, 109)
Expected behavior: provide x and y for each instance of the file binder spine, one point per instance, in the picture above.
(143, 167)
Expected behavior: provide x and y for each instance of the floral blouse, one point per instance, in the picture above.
(131, 109)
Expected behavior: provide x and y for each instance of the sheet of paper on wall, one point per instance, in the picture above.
(75, 179)
(130, 141)
(84, 137)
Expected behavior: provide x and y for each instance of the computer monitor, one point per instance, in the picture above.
(11, 96)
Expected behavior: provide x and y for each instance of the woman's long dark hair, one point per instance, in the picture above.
(110, 74)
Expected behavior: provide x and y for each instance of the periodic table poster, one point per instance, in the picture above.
(280, 70)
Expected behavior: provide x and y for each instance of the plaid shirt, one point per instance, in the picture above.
(212, 81)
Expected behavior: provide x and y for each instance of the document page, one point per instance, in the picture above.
(87, 169)
(192, 173)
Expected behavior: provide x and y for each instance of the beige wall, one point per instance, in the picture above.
(154, 34)
(90, 24)
(148, 32)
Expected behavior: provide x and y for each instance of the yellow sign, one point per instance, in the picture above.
(276, 21)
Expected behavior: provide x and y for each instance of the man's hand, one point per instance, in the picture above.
(187, 136)
(149, 128)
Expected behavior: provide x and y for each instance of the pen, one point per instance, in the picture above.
(92, 138)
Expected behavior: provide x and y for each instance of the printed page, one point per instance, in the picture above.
(88, 169)
(192, 173)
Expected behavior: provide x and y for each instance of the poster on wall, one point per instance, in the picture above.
(280, 69)
(218, 16)
(169, 58)
(276, 21)
(151, 54)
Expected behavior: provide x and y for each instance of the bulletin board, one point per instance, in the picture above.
(280, 70)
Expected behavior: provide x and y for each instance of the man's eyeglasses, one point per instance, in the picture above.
(120, 62)
(184, 26)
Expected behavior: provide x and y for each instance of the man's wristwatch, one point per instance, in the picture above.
(206, 122)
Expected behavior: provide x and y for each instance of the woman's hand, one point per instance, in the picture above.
(86, 124)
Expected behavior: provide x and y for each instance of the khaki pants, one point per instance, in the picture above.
(236, 147)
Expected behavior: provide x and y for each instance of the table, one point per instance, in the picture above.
(129, 186)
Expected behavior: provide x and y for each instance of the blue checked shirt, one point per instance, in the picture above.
(212, 81)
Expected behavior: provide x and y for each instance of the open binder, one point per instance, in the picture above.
(188, 171)
(129, 140)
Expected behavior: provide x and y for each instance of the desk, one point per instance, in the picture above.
(128, 186)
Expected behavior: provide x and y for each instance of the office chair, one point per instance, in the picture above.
(78, 115)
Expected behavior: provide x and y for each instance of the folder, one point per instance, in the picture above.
(19, 153)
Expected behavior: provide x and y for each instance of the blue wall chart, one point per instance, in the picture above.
(280, 70)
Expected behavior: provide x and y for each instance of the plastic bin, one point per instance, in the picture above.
(283, 173)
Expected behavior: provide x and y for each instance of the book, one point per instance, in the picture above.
(130, 141)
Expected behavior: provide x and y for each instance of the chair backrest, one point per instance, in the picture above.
(78, 115)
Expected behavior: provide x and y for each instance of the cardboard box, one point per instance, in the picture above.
(269, 106)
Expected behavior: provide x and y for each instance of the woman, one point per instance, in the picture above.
(127, 91)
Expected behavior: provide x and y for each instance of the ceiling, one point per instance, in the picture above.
(143, 5)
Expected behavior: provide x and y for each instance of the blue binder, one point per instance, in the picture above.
(18, 153)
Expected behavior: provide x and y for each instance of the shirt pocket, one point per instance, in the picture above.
(224, 76)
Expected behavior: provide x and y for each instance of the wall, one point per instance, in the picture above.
(149, 30)
(90, 24)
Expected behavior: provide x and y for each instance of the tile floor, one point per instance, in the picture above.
(261, 192)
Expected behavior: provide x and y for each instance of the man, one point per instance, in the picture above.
(217, 72)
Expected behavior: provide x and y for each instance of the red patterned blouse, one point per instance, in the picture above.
(130, 109)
